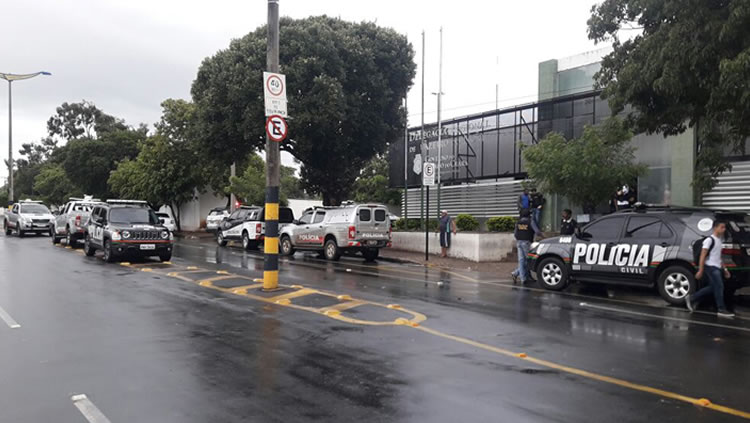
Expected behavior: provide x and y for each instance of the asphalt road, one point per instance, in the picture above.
(195, 341)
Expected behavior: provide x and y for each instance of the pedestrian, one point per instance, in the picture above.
(537, 202)
(524, 200)
(524, 233)
(447, 225)
(711, 265)
(568, 225)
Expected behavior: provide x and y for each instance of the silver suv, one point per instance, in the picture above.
(28, 216)
(71, 222)
(331, 231)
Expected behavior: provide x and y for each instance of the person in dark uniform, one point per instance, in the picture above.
(447, 225)
(537, 202)
(524, 233)
(568, 225)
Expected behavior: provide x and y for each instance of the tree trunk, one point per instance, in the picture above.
(176, 216)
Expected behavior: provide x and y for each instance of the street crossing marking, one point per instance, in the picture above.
(88, 409)
(8, 320)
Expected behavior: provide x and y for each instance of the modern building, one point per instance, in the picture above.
(481, 167)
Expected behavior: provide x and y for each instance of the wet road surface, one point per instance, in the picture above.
(195, 341)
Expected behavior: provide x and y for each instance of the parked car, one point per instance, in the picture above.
(247, 224)
(354, 228)
(71, 220)
(28, 216)
(167, 221)
(127, 228)
(215, 217)
(647, 246)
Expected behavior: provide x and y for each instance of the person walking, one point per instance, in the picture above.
(537, 202)
(447, 225)
(710, 264)
(524, 200)
(568, 225)
(524, 233)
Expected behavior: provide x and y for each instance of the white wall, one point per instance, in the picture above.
(193, 214)
(478, 247)
(299, 206)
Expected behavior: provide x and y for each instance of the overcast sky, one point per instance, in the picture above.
(128, 56)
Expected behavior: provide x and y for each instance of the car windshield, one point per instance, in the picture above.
(133, 215)
(216, 212)
(34, 209)
(164, 215)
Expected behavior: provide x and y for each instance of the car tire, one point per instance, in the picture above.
(552, 274)
(55, 238)
(220, 239)
(88, 249)
(286, 247)
(70, 239)
(109, 255)
(331, 250)
(165, 257)
(247, 243)
(370, 254)
(676, 282)
(8, 231)
(20, 233)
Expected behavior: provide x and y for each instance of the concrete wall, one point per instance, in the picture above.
(193, 214)
(478, 247)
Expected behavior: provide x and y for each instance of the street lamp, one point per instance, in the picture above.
(10, 77)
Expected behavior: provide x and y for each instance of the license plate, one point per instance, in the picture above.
(371, 243)
(148, 246)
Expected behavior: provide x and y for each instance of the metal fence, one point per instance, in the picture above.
(479, 200)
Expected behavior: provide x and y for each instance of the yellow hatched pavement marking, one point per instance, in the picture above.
(298, 293)
(343, 306)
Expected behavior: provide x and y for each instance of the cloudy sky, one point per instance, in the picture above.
(128, 56)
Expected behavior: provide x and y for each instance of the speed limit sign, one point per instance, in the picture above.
(428, 174)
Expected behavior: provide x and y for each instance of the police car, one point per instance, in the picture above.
(247, 224)
(646, 246)
(28, 216)
(126, 228)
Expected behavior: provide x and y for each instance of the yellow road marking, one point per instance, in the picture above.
(299, 293)
(243, 289)
(343, 306)
(702, 402)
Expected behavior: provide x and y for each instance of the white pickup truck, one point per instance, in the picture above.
(71, 222)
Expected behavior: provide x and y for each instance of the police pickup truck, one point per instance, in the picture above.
(28, 216)
(247, 224)
(331, 231)
(126, 228)
(70, 223)
(646, 246)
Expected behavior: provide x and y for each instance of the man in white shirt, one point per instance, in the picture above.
(711, 265)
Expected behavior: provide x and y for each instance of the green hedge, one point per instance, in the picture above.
(502, 224)
(414, 225)
(466, 222)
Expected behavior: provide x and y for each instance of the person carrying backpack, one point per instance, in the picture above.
(710, 265)
(524, 233)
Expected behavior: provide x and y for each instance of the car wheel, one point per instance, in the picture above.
(286, 246)
(55, 238)
(20, 233)
(247, 243)
(675, 283)
(552, 274)
(6, 227)
(69, 239)
(88, 249)
(220, 239)
(331, 250)
(165, 257)
(109, 255)
(371, 254)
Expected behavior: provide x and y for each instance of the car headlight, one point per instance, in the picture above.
(164, 234)
(126, 234)
(534, 245)
(116, 236)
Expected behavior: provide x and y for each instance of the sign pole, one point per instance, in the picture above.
(271, 243)
(427, 228)
(422, 140)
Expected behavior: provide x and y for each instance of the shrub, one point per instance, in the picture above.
(466, 222)
(414, 225)
(502, 224)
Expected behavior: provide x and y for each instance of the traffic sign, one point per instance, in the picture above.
(274, 90)
(428, 174)
(276, 128)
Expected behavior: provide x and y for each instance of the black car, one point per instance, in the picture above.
(126, 228)
(646, 246)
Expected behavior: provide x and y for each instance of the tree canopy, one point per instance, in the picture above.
(346, 82)
(688, 66)
(372, 184)
(554, 164)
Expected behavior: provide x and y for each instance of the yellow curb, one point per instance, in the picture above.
(192, 268)
(393, 306)
(204, 283)
(222, 272)
(344, 297)
(332, 313)
(402, 321)
(283, 301)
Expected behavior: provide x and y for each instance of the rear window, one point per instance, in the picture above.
(365, 215)
(163, 215)
(738, 228)
(380, 215)
(286, 215)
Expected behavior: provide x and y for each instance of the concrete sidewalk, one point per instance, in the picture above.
(500, 268)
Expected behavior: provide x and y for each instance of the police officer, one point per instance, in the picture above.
(568, 225)
(537, 202)
(524, 233)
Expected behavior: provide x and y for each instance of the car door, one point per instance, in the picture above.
(650, 238)
(61, 220)
(301, 232)
(13, 216)
(596, 252)
(229, 222)
(96, 230)
(317, 228)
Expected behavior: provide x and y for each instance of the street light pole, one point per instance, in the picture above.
(271, 243)
(10, 78)
(440, 122)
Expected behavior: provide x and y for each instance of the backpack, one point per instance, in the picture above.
(698, 247)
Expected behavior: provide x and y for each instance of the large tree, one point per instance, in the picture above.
(687, 66)
(372, 184)
(345, 85)
(554, 164)
(84, 119)
(53, 186)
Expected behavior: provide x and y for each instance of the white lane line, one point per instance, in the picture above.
(8, 320)
(88, 409)
(675, 319)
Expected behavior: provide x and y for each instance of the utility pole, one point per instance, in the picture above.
(406, 158)
(440, 121)
(423, 144)
(271, 243)
(10, 143)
